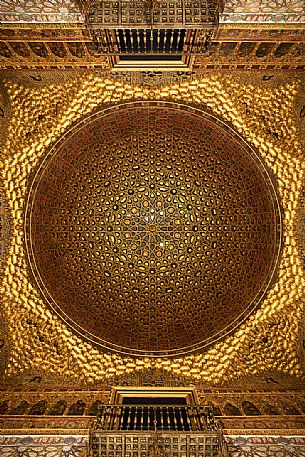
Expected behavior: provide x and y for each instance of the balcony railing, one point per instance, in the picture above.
(156, 417)
(156, 430)
(150, 41)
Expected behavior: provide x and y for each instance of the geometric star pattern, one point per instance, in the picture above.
(153, 229)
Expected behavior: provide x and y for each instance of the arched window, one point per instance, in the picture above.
(77, 409)
(94, 407)
(269, 409)
(39, 408)
(231, 410)
(250, 409)
(58, 408)
(216, 409)
(20, 409)
(289, 408)
(3, 407)
(301, 406)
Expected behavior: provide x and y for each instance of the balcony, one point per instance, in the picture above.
(156, 430)
(146, 35)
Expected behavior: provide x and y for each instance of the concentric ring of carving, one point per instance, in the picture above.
(152, 228)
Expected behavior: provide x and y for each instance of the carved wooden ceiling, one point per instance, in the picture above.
(257, 35)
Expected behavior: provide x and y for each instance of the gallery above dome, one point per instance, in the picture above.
(152, 228)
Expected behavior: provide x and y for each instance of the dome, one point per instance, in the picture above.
(152, 228)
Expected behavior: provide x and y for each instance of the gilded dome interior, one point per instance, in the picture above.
(152, 228)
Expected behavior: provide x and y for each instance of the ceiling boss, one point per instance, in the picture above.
(152, 228)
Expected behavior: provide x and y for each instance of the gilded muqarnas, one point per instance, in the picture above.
(255, 111)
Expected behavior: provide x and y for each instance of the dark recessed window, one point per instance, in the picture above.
(151, 58)
(150, 41)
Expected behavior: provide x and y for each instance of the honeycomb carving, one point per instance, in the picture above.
(152, 229)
